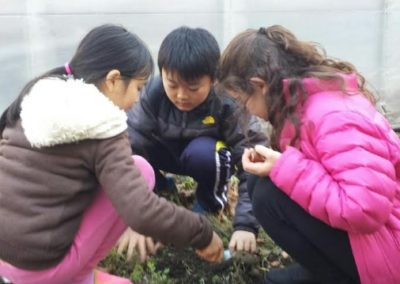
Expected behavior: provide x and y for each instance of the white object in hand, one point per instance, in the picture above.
(227, 254)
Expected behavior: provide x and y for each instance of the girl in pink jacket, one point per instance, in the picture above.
(328, 190)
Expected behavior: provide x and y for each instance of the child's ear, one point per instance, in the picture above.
(111, 79)
(260, 85)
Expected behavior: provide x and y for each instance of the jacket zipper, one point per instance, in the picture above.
(184, 123)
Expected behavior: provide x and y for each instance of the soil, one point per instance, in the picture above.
(183, 266)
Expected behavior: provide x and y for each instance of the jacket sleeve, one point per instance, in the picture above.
(244, 219)
(235, 137)
(350, 184)
(142, 118)
(141, 209)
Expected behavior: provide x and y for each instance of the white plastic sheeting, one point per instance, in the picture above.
(37, 35)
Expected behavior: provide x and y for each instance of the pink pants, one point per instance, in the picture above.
(100, 229)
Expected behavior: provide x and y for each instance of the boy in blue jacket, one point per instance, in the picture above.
(181, 126)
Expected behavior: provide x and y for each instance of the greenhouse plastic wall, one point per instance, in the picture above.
(37, 35)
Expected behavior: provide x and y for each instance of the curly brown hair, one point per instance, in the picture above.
(274, 54)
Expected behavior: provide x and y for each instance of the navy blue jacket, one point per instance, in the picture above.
(156, 117)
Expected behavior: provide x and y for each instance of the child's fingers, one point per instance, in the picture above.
(158, 246)
(201, 254)
(251, 155)
(214, 256)
(247, 163)
(220, 254)
(232, 244)
(246, 245)
(254, 168)
(142, 249)
(246, 155)
(239, 245)
(205, 254)
(131, 248)
(122, 244)
(263, 151)
(253, 246)
(150, 245)
(214, 251)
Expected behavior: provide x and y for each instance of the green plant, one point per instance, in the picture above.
(155, 276)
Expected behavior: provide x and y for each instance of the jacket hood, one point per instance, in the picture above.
(58, 111)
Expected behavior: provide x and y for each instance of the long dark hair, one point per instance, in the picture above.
(103, 49)
(274, 54)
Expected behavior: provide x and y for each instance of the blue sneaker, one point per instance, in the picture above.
(197, 208)
(170, 184)
(165, 184)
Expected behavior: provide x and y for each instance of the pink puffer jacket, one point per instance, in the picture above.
(346, 172)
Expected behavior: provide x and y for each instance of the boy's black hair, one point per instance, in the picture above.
(191, 52)
(103, 49)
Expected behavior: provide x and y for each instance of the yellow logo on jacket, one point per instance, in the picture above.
(208, 120)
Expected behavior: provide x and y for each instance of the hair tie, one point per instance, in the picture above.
(68, 69)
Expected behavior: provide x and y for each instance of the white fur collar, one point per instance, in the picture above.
(57, 111)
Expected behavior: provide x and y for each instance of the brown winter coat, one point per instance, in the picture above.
(45, 190)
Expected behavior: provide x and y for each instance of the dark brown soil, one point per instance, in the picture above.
(172, 266)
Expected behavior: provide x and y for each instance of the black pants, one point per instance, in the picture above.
(323, 250)
(201, 158)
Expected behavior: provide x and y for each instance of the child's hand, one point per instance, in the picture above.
(214, 252)
(132, 241)
(260, 160)
(243, 241)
